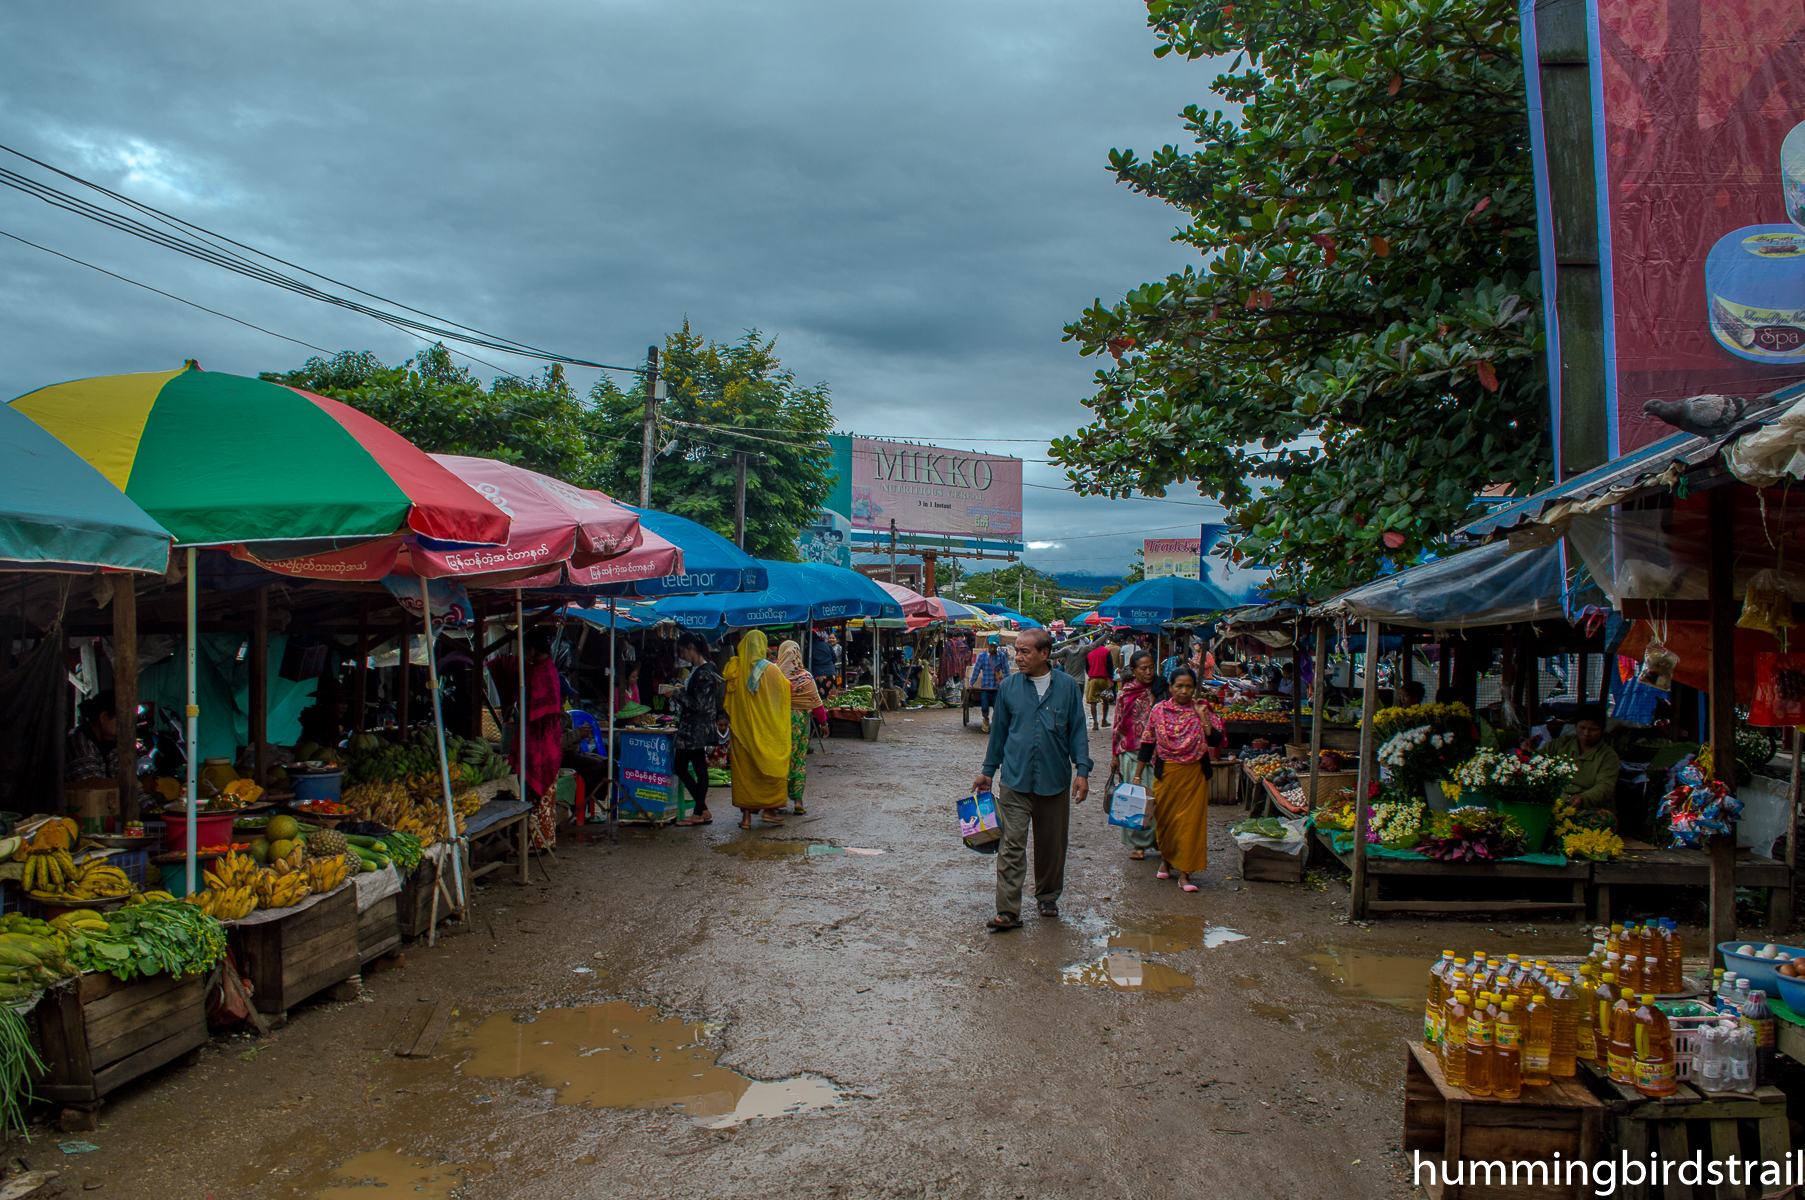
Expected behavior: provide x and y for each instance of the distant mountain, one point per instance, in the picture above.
(1083, 581)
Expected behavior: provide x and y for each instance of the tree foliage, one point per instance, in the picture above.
(1362, 341)
(722, 398)
(538, 422)
(1038, 591)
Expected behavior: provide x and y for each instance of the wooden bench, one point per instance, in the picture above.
(1575, 876)
(1642, 865)
(289, 958)
(1691, 1122)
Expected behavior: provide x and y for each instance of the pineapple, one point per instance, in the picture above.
(327, 843)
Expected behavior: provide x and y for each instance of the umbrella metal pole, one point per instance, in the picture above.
(612, 833)
(438, 724)
(193, 712)
(520, 703)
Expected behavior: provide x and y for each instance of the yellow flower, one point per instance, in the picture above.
(1599, 844)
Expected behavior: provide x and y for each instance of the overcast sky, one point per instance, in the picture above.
(913, 198)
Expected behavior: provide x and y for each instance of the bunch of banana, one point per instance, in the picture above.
(91, 880)
(226, 904)
(48, 870)
(324, 874)
(293, 861)
(18, 922)
(82, 920)
(147, 897)
(234, 870)
(28, 963)
(467, 803)
(281, 890)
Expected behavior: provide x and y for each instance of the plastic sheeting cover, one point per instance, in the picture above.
(1486, 586)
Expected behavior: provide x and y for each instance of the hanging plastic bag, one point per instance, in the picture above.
(1131, 807)
(1658, 664)
(980, 824)
(1767, 604)
(1779, 690)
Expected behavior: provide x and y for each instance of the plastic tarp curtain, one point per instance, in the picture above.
(1487, 586)
(224, 686)
(1663, 553)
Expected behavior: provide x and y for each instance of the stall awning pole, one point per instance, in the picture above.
(520, 706)
(1369, 704)
(1316, 699)
(452, 837)
(194, 722)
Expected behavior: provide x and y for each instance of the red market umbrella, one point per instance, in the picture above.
(551, 523)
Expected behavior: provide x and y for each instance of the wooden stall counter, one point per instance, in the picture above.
(97, 1032)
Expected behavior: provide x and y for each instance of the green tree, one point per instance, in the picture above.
(538, 422)
(722, 398)
(1363, 332)
(1038, 592)
(1138, 571)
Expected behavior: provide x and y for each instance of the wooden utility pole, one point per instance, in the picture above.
(1722, 594)
(260, 688)
(125, 690)
(648, 428)
(1369, 704)
(739, 498)
(892, 549)
(928, 559)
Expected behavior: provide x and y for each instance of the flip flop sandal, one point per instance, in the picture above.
(689, 821)
(1163, 875)
(1187, 887)
(798, 810)
(1001, 923)
(772, 820)
(1138, 855)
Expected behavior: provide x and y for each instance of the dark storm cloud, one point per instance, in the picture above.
(913, 198)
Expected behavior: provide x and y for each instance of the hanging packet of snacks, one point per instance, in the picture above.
(1779, 690)
(1767, 604)
(1658, 664)
(1699, 809)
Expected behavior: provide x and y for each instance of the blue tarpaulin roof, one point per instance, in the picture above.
(1488, 585)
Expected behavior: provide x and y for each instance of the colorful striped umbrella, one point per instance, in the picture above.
(58, 514)
(220, 458)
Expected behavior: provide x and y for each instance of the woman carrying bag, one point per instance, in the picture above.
(1133, 708)
(1180, 731)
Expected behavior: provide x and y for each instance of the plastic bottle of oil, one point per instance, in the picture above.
(1676, 957)
(1653, 1049)
(1454, 1040)
(1481, 1024)
(1563, 1005)
(1629, 973)
(1538, 1040)
(1432, 1007)
(1621, 1060)
(1654, 964)
(1540, 979)
(1614, 943)
(1476, 972)
(1604, 996)
(1585, 1018)
(1507, 1051)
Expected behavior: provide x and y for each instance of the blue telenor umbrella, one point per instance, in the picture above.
(1157, 601)
(711, 563)
(57, 513)
(798, 592)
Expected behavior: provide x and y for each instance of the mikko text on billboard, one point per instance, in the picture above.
(929, 490)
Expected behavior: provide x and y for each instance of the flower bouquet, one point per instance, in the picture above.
(1599, 845)
(1516, 776)
(1472, 835)
(1413, 757)
(1442, 718)
(1396, 822)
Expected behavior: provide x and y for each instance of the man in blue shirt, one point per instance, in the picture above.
(988, 670)
(1037, 738)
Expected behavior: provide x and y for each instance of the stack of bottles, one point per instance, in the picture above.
(1501, 1024)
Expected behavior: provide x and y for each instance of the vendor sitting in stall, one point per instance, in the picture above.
(1594, 785)
(92, 751)
(323, 721)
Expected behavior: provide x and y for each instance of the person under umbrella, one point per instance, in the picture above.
(805, 705)
(758, 706)
(542, 711)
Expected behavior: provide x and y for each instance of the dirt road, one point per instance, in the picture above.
(925, 1056)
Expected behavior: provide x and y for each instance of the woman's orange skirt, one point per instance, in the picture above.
(1181, 815)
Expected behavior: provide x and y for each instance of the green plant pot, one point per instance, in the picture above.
(1470, 798)
(1536, 820)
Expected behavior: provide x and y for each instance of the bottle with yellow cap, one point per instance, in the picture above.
(1454, 1039)
(1538, 1040)
(1480, 1028)
(1507, 1051)
(1654, 1069)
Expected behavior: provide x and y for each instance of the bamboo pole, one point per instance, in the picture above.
(1722, 596)
(1317, 694)
(125, 690)
(260, 688)
(1369, 705)
(193, 715)
(454, 842)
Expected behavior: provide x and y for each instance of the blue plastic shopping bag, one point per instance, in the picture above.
(980, 824)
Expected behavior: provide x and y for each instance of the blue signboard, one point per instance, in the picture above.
(648, 776)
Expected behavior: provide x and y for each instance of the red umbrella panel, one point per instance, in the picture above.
(653, 558)
(551, 523)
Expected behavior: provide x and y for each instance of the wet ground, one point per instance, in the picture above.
(714, 1013)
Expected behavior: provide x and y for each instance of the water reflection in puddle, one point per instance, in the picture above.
(1393, 978)
(619, 1056)
(1172, 936)
(390, 1169)
(1125, 971)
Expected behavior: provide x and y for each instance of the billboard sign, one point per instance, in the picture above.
(1699, 155)
(928, 490)
(1180, 557)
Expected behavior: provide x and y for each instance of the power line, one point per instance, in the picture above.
(203, 244)
(159, 291)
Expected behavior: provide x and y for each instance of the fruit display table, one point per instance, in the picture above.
(97, 1032)
(287, 955)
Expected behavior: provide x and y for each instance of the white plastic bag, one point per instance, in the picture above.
(1131, 807)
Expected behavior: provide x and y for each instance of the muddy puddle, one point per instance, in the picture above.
(1171, 935)
(765, 848)
(1124, 970)
(359, 1176)
(619, 1056)
(1403, 979)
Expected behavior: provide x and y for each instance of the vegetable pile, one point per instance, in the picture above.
(145, 938)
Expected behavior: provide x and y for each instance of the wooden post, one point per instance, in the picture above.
(1444, 665)
(1317, 689)
(260, 688)
(476, 698)
(1584, 687)
(1783, 900)
(1722, 596)
(1297, 689)
(1369, 704)
(362, 674)
(401, 673)
(125, 690)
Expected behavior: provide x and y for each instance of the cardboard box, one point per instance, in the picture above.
(91, 799)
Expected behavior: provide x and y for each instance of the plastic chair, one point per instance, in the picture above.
(595, 738)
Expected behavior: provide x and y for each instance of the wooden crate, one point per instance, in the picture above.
(1225, 781)
(99, 1032)
(292, 957)
(1262, 864)
(413, 904)
(1452, 1127)
(1718, 1125)
(379, 928)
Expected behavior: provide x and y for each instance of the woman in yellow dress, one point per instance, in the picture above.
(758, 707)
